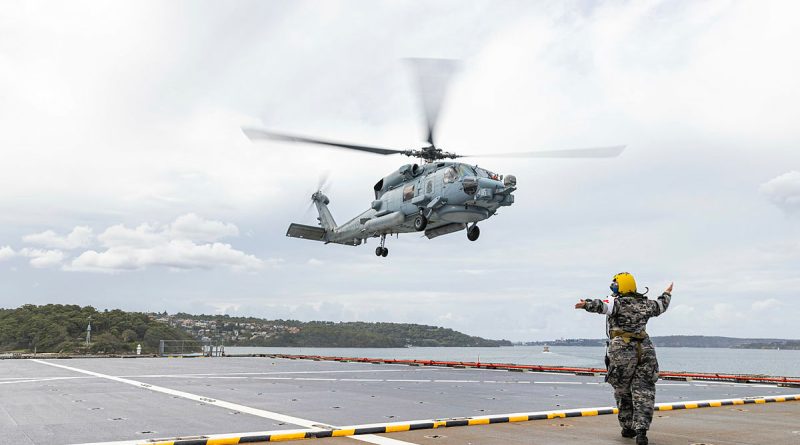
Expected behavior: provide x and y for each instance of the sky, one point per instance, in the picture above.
(126, 181)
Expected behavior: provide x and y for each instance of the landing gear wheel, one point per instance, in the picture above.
(420, 222)
(473, 233)
(380, 250)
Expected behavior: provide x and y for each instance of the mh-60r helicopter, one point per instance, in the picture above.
(438, 197)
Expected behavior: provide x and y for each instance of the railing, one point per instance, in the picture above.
(671, 375)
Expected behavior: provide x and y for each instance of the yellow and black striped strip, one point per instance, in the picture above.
(727, 402)
(431, 424)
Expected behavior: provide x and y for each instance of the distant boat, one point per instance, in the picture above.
(546, 349)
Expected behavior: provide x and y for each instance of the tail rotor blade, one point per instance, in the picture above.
(323, 182)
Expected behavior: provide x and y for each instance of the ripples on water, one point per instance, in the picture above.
(739, 361)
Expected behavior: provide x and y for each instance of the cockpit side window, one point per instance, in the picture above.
(450, 175)
(465, 170)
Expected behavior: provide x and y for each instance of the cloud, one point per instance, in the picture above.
(144, 235)
(40, 258)
(725, 313)
(179, 245)
(191, 226)
(768, 304)
(80, 236)
(784, 191)
(6, 253)
(177, 254)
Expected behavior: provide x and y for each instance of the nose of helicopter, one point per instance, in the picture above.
(472, 184)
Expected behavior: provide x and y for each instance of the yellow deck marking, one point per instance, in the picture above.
(223, 441)
(283, 437)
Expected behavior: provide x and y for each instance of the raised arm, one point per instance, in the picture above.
(659, 305)
(598, 306)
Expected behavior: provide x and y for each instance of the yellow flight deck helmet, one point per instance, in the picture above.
(623, 283)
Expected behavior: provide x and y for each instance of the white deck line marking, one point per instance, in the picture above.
(380, 440)
(25, 378)
(360, 380)
(210, 401)
(267, 373)
(745, 385)
(45, 379)
(221, 403)
(559, 383)
(408, 380)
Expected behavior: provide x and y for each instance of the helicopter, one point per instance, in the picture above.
(437, 197)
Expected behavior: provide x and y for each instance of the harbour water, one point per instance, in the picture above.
(740, 361)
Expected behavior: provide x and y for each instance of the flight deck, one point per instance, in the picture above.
(241, 399)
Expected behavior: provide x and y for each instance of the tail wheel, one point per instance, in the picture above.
(473, 233)
(420, 222)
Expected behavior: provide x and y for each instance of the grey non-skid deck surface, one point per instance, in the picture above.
(43, 404)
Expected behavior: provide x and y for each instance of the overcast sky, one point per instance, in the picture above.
(125, 180)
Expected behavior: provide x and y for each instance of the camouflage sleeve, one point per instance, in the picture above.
(659, 305)
(596, 305)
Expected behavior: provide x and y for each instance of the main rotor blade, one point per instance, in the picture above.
(433, 77)
(257, 134)
(594, 152)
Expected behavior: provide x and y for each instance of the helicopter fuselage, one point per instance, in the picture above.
(446, 195)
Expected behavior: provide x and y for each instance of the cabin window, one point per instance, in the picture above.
(408, 192)
(429, 187)
(450, 175)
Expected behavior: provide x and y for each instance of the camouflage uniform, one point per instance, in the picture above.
(632, 363)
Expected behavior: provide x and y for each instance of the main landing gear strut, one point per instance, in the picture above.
(381, 250)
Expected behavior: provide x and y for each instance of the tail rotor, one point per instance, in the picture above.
(320, 192)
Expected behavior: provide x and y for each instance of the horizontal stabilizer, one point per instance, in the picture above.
(306, 232)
